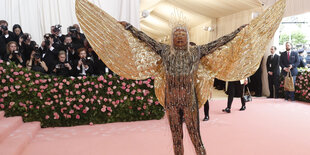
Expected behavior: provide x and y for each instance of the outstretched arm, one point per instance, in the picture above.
(212, 46)
(156, 46)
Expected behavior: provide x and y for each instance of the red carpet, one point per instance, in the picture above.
(267, 127)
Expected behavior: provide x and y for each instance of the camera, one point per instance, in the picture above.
(60, 66)
(72, 29)
(46, 40)
(57, 28)
(4, 28)
(70, 45)
(84, 61)
(37, 55)
(16, 53)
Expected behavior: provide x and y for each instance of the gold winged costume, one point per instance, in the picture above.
(184, 78)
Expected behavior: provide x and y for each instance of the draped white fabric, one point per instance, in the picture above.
(37, 16)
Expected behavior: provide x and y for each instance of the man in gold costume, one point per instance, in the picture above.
(183, 74)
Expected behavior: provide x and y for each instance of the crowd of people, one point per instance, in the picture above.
(58, 54)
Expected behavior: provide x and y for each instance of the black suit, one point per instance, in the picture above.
(273, 65)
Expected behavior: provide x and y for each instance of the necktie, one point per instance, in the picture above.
(288, 56)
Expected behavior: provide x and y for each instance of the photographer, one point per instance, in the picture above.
(5, 37)
(24, 45)
(36, 64)
(68, 47)
(17, 30)
(57, 36)
(99, 67)
(84, 66)
(13, 54)
(6, 34)
(48, 53)
(77, 37)
(62, 68)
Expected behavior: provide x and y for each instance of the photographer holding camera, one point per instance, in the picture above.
(5, 37)
(36, 64)
(63, 68)
(77, 37)
(84, 66)
(68, 47)
(48, 53)
(24, 45)
(57, 36)
(13, 54)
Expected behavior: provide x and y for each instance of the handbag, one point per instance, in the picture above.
(289, 83)
(246, 97)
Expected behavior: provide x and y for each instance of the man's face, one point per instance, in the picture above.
(82, 54)
(12, 47)
(272, 50)
(180, 38)
(68, 40)
(288, 46)
(62, 57)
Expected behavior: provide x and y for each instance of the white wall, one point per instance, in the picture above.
(37, 16)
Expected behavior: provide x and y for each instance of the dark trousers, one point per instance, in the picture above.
(232, 86)
(206, 108)
(273, 86)
(289, 94)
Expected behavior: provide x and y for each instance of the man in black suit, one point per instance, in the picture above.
(289, 61)
(273, 70)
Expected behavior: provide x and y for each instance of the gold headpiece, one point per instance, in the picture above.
(177, 20)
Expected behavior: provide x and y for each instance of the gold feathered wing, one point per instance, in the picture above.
(124, 54)
(241, 57)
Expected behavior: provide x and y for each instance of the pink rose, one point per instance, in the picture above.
(47, 117)
(109, 109)
(144, 107)
(15, 73)
(104, 108)
(139, 108)
(110, 76)
(2, 106)
(3, 80)
(37, 75)
(110, 83)
(6, 88)
(77, 117)
(11, 80)
(90, 89)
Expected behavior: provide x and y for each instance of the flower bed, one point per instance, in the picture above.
(302, 86)
(59, 101)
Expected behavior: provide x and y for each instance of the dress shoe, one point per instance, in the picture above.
(226, 110)
(242, 108)
(206, 118)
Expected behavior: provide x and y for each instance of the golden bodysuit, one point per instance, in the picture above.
(180, 95)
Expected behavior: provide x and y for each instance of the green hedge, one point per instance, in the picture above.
(59, 101)
(302, 85)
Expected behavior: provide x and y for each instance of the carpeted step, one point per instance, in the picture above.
(18, 140)
(1, 114)
(8, 125)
